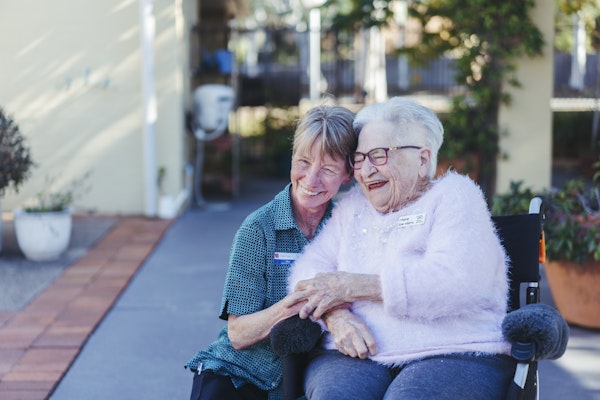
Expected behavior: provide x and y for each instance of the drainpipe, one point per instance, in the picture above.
(149, 107)
(314, 75)
(314, 46)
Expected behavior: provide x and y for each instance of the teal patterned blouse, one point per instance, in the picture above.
(262, 252)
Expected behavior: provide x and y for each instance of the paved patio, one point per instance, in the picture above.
(39, 342)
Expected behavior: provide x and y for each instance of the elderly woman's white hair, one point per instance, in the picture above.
(402, 112)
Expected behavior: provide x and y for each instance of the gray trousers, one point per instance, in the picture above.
(331, 375)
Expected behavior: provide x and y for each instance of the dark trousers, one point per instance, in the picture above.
(210, 386)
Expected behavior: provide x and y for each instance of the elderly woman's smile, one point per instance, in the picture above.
(375, 185)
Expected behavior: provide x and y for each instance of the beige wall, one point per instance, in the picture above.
(70, 76)
(529, 119)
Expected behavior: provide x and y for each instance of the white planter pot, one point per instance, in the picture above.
(43, 236)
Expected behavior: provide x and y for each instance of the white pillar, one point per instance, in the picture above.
(578, 54)
(314, 74)
(375, 73)
(149, 107)
(400, 16)
(528, 120)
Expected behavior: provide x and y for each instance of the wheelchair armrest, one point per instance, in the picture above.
(540, 325)
(294, 336)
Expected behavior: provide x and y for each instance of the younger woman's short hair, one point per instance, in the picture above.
(331, 127)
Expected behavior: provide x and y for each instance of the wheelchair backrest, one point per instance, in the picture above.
(520, 235)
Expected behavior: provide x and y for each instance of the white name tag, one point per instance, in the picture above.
(285, 258)
(411, 220)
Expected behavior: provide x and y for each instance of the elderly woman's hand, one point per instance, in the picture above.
(331, 290)
(350, 334)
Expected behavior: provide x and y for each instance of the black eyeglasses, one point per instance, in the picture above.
(377, 156)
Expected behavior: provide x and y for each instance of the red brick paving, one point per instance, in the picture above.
(39, 342)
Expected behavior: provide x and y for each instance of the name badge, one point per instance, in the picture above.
(411, 220)
(285, 258)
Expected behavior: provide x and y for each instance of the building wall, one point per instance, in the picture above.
(70, 77)
(529, 118)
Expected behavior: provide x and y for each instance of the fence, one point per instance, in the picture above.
(270, 66)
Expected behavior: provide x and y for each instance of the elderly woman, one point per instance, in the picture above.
(240, 364)
(408, 276)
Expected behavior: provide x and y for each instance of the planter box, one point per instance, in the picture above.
(576, 291)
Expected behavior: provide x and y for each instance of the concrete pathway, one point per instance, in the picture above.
(168, 312)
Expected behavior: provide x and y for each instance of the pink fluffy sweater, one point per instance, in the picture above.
(442, 269)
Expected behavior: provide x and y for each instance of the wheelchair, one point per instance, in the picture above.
(536, 331)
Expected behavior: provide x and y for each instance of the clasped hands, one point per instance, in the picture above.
(328, 296)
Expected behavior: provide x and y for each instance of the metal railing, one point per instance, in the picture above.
(271, 67)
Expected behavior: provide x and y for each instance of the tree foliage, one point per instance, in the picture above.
(15, 156)
(486, 38)
(360, 14)
(563, 23)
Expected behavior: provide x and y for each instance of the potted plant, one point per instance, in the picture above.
(572, 237)
(43, 227)
(15, 158)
